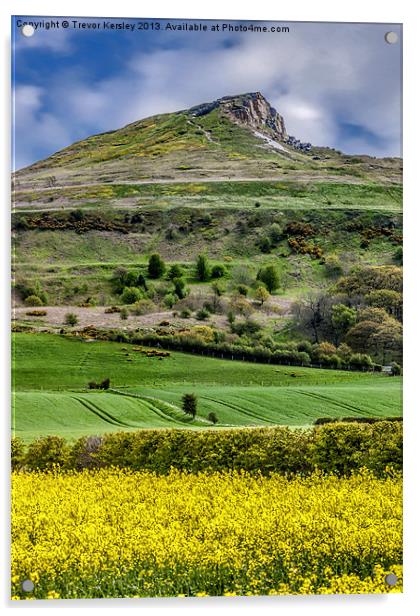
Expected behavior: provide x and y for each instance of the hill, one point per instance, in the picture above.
(235, 138)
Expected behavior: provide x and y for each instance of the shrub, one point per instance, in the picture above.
(395, 369)
(212, 417)
(156, 267)
(169, 300)
(143, 306)
(46, 452)
(17, 453)
(265, 245)
(202, 314)
(33, 300)
(175, 271)
(261, 295)
(218, 271)
(189, 404)
(36, 313)
(83, 454)
(185, 313)
(333, 267)
(334, 447)
(276, 234)
(242, 289)
(71, 319)
(131, 295)
(124, 314)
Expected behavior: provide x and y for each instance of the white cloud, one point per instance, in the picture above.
(317, 76)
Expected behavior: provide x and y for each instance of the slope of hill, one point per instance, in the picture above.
(233, 138)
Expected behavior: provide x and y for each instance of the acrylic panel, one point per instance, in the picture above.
(207, 308)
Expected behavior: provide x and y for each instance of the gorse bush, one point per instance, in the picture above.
(333, 448)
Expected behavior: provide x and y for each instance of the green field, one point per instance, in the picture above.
(52, 372)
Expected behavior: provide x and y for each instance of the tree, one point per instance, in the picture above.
(261, 295)
(179, 287)
(71, 319)
(131, 295)
(189, 404)
(342, 318)
(270, 277)
(312, 316)
(156, 267)
(203, 268)
(391, 301)
(212, 417)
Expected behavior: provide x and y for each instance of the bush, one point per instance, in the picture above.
(156, 267)
(218, 271)
(276, 234)
(71, 319)
(175, 271)
(131, 295)
(36, 313)
(17, 453)
(33, 300)
(212, 417)
(47, 452)
(395, 369)
(242, 289)
(333, 267)
(202, 314)
(336, 447)
(143, 306)
(265, 245)
(124, 314)
(185, 313)
(104, 385)
(83, 454)
(169, 300)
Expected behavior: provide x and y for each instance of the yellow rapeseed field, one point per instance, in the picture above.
(113, 533)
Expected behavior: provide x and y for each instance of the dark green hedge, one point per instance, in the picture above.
(336, 447)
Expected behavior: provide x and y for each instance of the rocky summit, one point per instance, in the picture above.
(251, 110)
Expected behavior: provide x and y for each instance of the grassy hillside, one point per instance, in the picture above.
(51, 375)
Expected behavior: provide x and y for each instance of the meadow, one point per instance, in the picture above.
(118, 533)
(51, 395)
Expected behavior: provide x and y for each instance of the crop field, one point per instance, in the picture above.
(51, 395)
(118, 533)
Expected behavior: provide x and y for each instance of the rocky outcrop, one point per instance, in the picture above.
(251, 110)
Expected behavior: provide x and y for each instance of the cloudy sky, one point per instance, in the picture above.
(335, 84)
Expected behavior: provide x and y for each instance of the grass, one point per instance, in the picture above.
(51, 375)
(236, 194)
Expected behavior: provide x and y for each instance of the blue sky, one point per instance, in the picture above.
(334, 84)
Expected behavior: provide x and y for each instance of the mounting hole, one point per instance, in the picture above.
(27, 585)
(391, 579)
(28, 30)
(391, 38)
